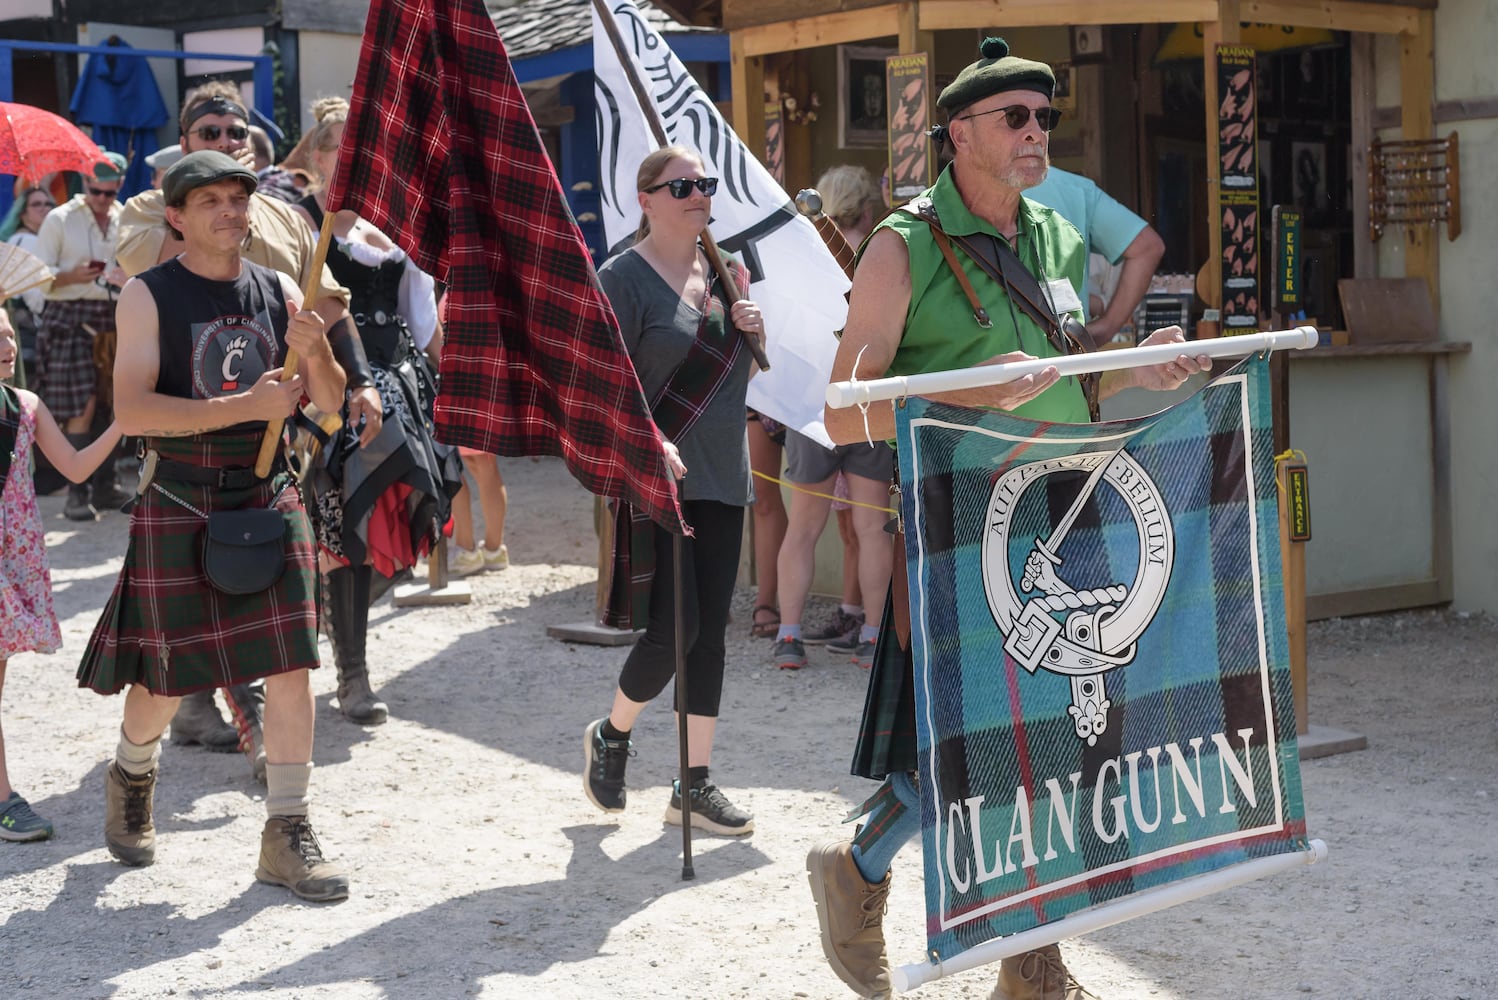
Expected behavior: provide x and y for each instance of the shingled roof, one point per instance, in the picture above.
(536, 27)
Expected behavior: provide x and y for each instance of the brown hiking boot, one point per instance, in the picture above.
(129, 832)
(1038, 975)
(291, 856)
(851, 912)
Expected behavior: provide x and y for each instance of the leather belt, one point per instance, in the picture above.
(377, 318)
(229, 477)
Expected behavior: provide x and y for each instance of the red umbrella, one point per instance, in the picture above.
(34, 143)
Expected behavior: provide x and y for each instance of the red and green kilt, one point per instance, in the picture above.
(165, 626)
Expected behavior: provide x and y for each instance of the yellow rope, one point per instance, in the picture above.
(824, 496)
(1289, 454)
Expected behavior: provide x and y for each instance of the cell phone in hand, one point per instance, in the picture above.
(96, 265)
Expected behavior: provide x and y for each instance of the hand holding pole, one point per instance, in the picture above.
(272, 439)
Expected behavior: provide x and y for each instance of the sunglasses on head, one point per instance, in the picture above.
(1017, 116)
(210, 133)
(681, 187)
(101, 193)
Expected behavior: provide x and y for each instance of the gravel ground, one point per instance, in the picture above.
(479, 869)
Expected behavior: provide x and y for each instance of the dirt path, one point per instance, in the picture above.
(480, 869)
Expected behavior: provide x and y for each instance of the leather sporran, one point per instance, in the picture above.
(244, 551)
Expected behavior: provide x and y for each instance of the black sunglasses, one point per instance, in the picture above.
(210, 133)
(101, 193)
(1017, 116)
(41, 204)
(682, 186)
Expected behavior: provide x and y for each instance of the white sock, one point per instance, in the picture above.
(138, 759)
(853, 609)
(286, 789)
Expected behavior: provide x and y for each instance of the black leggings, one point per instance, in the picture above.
(710, 564)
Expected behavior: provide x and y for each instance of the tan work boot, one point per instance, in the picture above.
(851, 913)
(1038, 975)
(129, 832)
(198, 722)
(291, 856)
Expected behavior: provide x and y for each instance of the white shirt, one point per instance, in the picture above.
(69, 237)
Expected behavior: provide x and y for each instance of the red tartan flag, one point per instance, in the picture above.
(441, 152)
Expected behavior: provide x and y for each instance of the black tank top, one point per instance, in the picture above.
(216, 337)
(374, 298)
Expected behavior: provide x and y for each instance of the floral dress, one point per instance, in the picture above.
(28, 622)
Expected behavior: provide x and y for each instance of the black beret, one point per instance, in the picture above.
(995, 73)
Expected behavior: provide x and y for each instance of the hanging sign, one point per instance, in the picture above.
(1238, 172)
(909, 85)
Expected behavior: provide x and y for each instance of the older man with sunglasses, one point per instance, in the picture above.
(213, 118)
(77, 241)
(969, 273)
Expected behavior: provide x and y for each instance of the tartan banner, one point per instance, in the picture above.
(1103, 699)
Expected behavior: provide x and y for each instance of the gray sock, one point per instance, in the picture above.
(286, 789)
(138, 759)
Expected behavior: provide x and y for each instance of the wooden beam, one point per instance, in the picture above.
(1417, 70)
(1364, 86)
(914, 39)
(942, 15)
(813, 32)
(1337, 15)
(1471, 109)
(748, 75)
(1224, 31)
(738, 14)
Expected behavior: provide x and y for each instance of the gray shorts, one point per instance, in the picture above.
(808, 462)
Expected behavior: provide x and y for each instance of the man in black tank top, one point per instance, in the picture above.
(202, 338)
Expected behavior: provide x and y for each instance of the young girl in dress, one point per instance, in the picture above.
(27, 621)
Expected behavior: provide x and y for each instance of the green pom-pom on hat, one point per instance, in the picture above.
(995, 72)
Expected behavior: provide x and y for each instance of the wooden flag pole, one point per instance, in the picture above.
(658, 130)
(272, 440)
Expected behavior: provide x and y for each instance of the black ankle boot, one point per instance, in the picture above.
(78, 507)
(348, 621)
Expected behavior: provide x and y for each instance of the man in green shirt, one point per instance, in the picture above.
(910, 313)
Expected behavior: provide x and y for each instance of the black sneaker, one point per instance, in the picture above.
(603, 768)
(711, 811)
(840, 627)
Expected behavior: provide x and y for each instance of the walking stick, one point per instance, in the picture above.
(658, 130)
(272, 440)
(677, 557)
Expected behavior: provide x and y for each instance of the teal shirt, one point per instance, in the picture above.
(940, 332)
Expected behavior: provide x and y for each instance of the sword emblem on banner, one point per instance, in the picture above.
(1051, 623)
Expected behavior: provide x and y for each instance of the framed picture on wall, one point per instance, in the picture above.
(863, 115)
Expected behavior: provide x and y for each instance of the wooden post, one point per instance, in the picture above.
(1417, 95)
(1293, 565)
(1223, 31)
(748, 81)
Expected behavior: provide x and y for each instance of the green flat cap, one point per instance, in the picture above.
(115, 171)
(995, 73)
(206, 166)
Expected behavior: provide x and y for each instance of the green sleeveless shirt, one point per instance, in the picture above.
(940, 332)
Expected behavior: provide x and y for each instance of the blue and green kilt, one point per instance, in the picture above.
(164, 626)
(886, 738)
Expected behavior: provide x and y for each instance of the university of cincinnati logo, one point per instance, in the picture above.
(1077, 628)
(230, 353)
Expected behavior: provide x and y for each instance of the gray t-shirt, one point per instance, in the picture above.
(659, 329)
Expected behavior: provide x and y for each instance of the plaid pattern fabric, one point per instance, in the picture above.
(682, 400)
(66, 375)
(165, 627)
(1102, 678)
(445, 158)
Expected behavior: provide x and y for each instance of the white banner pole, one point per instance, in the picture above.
(853, 393)
(905, 978)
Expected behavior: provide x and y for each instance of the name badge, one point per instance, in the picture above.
(1063, 296)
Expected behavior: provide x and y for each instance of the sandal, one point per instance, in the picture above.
(765, 629)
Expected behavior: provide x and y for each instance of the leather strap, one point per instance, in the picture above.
(944, 244)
